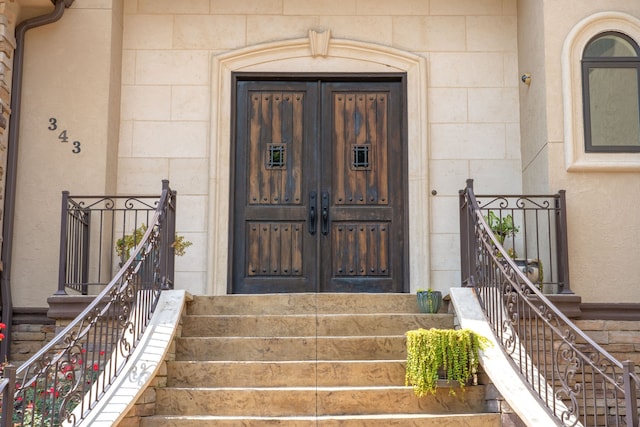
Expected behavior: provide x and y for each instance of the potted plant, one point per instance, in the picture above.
(502, 227)
(128, 242)
(450, 354)
(429, 301)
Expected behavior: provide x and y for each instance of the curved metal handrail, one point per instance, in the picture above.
(577, 380)
(63, 381)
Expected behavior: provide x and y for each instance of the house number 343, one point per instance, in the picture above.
(63, 136)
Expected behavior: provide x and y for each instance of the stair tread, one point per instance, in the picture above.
(323, 417)
(303, 361)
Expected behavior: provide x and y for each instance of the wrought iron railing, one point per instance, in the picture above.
(63, 381)
(578, 381)
(97, 234)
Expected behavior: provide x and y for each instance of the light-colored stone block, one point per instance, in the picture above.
(192, 216)
(447, 177)
(147, 31)
(189, 176)
(496, 176)
(209, 31)
(126, 139)
(319, 7)
(512, 73)
(193, 282)
(176, 67)
(195, 257)
(512, 141)
(494, 105)
(443, 215)
(445, 251)
(170, 139)
(260, 27)
(377, 29)
(492, 33)
(146, 103)
(171, 6)
(246, 7)
(471, 141)
(429, 33)
(467, 70)
(141, 176)
(466, 7)
(509, 7)
(128, 75)
(448, 105)
(190, 102)
(444, 280)
(396, 7)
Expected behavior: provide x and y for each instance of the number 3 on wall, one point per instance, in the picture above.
(63, 136)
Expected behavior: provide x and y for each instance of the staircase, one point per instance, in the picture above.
(305, 360)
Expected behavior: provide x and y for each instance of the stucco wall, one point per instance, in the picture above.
(602, 201)
(71, 75)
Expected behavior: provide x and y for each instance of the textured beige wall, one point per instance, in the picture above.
(533, 111)
(71, 73)
(603, 220)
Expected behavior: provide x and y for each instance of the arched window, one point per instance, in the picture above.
(611, 94)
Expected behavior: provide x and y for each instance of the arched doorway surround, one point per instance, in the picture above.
(317, 54)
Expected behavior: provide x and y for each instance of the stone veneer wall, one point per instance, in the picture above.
(29, 337)
(620, 338)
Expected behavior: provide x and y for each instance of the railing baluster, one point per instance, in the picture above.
(62, 381)
(574, 377)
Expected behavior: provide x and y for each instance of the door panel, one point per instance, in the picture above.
(273, 252)
(319, 187)
(367, 233)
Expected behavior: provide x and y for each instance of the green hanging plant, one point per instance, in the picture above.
(454, 352)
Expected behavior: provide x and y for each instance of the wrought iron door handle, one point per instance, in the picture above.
(313, 207)
(325, 213)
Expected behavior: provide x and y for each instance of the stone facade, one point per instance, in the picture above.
(143, 87)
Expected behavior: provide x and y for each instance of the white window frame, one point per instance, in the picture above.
(576, 158)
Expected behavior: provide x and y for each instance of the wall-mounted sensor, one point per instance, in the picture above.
(526, 79)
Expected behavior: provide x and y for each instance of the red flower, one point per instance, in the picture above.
(101, 352)
(1, 336)
(2, 325)
(95, 367)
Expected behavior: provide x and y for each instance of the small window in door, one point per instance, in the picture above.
(276, 156)
(361, 157)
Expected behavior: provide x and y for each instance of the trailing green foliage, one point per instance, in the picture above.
(451, 351)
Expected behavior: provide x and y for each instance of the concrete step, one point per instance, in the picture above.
(357, 373)
(323, 303)
(397, 420)
(304, 325)
(303, 360)
(312, 401)
(291, 348)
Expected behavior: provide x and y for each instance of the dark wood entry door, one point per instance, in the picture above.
(319, 187)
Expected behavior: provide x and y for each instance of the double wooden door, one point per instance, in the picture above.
(319, 179)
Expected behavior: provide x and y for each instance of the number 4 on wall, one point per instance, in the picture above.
(63, 136)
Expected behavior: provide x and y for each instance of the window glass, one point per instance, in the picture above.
(611, 89)
(614, 108)
(609, 46)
